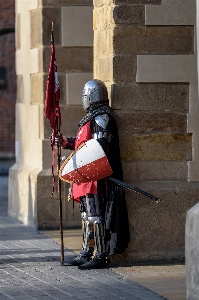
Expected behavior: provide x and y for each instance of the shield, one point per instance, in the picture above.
(87, 163)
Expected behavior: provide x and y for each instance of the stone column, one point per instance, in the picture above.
(30, 178)
(192, 218)
(144, 50)
(192, 252)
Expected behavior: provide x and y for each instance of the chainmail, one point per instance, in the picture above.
(94, 111)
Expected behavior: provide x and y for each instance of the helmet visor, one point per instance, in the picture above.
(85, 102)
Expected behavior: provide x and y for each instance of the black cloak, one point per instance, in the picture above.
(116, 217)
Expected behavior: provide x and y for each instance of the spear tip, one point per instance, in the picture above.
(52, 35)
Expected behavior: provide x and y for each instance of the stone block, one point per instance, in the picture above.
(74, 86)
(33, 4)
(103, 43)
(154, 40)
(103, 68)
(171, 13)
(70, 59)
(48, 208)
(155, 170)
(18, 64)
(62, 86)
(20, 89)
(99, 3)
(20, 206)
(18, 31)
(47, 155)
(126, 14)
(166, 68)
(124, 68)
(28, 125)
(103, 18)
(122, 2)
(192, 252)
(50, 15)
(22, 6)
(34, 60)
(36, 33)
(77, 34)
(36, 88)
(157, 231)
(37, 209)
(55, 3)
(157, 147)
(71, 115)
(147, 97)
(40, 60)
(151, 122)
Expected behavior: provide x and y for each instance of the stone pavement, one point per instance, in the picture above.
(30, 268)
(166, 280)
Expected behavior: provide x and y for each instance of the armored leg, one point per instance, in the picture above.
(87, 249)
(88, 236)
(99, 235)
(96, 217)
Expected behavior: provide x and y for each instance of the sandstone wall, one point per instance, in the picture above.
(191, 232)
(145, 52)
(30, 178)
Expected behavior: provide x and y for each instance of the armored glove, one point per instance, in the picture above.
(65, 143)
(59, 140)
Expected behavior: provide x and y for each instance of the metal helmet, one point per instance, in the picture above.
(94, 91)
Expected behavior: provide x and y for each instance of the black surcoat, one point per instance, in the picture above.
(116, 217)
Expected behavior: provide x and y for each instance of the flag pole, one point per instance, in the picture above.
(58, 152)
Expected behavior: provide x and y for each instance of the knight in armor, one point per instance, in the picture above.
(102, 203)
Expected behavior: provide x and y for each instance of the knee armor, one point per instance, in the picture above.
(94, 224)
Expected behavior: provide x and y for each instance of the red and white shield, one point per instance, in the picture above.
(87, 163)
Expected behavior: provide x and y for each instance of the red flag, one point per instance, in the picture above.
(52, 112)
(51, 106)
(51, 109)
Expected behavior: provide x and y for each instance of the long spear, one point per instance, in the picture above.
(58, 151)
(52, 112)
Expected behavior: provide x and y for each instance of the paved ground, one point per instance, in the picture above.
(166, 280)
(30, 269)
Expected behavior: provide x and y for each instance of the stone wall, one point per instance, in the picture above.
(145, 52)
(192, 222)
(30, 178)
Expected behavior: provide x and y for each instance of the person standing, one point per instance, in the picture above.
(102, 203)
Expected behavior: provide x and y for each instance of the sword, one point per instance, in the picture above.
(132, 188)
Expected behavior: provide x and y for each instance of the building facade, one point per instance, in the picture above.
(145, 52)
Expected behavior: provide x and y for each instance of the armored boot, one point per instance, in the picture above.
(87, 246)
(98, 262)
(80, 259)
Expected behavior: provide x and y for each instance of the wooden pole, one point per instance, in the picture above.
(58, 151)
